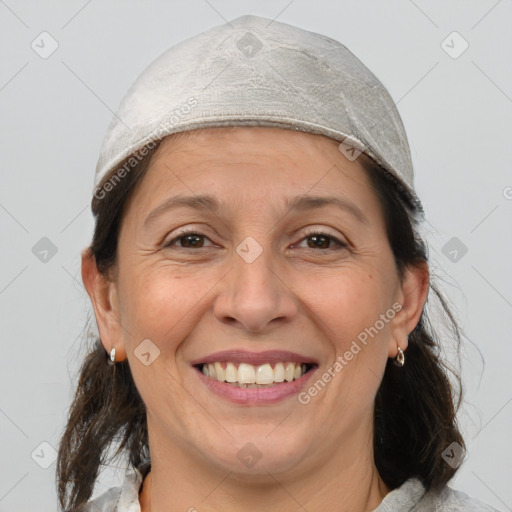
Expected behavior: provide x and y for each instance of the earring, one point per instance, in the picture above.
(112, 359)
(400, 358)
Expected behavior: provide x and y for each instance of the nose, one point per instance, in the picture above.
(254, 296)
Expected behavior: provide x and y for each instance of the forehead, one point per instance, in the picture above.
(241, 164)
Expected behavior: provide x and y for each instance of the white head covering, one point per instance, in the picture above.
(256, 72)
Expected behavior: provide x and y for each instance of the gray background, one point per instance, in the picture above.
(54, 113)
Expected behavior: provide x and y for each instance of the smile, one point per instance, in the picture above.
(255, 378)
(250, 376)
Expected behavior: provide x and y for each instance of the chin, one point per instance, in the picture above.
(257, 454)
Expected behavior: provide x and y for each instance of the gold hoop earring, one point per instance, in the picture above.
(400, 358)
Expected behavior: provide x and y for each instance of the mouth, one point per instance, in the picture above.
(255, 378)
(246, 375)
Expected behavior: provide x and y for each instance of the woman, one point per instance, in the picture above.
(259, 288)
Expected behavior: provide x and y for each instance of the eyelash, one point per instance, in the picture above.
(308, 234)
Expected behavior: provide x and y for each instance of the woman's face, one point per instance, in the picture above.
(254, 248)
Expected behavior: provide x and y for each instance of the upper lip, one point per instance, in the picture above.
(255, 358)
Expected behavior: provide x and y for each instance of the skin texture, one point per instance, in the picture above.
(192, 301)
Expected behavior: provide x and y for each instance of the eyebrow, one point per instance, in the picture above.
(303, 203)
(297, 203)
(201, 203)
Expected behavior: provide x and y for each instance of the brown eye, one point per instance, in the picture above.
(188, 240)
(192, 240)
(320, 240)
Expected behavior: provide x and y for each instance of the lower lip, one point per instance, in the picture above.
(256, 396)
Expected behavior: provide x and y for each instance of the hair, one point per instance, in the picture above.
(415, 405)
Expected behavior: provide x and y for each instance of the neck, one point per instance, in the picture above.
(179, 482)
(266, 498)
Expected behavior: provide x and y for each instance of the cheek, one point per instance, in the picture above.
(351, 321)
(161, 305)
(348, 302)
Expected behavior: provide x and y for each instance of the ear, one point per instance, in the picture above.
(104, 298)
(412, 295)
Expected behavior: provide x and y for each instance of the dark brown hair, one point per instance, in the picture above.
(415, 405)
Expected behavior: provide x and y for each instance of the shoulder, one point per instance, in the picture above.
(411, 497)
(119, 499)
(447, 499)
(106, 502)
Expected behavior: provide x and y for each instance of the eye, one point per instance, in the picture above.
(188, 240)
(321, 240)
(314, 240)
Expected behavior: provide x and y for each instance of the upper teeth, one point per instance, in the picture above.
(249, 374)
